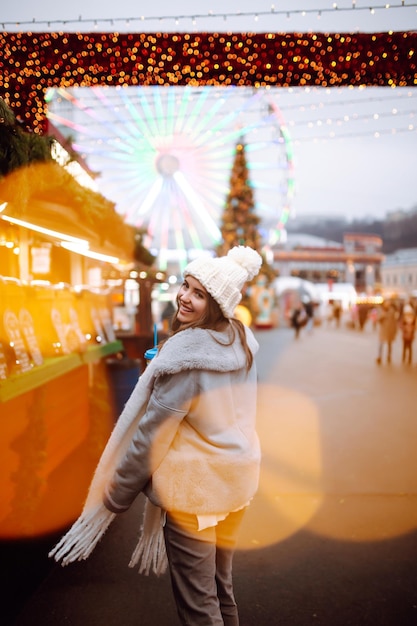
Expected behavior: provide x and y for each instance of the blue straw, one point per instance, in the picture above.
(155, 335)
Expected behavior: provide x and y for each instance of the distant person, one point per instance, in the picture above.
(388, 326)
(337, 312)
(298, 319)
(362, 315)
(373, 316)
(309, 309)
(329, 312)
(408, 329)
(353, 316)
(167, 315)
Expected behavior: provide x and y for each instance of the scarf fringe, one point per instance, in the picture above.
(81, 539)
(83, 536)
(150, 551)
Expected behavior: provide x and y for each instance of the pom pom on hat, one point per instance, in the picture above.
(247, 258)
(224, 277)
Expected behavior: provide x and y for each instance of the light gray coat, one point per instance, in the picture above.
(195, 448)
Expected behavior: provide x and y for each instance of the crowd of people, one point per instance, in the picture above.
(391, 321)
(388, 319)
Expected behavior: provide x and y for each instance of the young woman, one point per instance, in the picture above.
(188, 441)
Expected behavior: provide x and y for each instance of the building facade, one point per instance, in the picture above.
(356, 261)
(399, 273)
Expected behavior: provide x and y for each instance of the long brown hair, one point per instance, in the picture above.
(213, 319)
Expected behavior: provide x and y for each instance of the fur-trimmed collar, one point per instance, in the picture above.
(198, 348)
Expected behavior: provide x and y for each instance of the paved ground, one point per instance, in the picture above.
(331, 537)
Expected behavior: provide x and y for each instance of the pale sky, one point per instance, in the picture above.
(354, 150)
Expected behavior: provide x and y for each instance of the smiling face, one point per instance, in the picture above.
(192, 301)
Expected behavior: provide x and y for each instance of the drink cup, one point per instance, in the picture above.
(150, 354)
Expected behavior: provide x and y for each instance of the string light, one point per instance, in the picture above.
(342, 104)
(354, 135)
(175, 18)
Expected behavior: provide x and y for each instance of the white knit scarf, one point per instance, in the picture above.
(81, 539)
(189, 349)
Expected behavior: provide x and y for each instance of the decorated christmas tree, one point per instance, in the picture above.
(239, 225)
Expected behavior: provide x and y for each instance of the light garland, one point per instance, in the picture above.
(335, 8)
(30, 63)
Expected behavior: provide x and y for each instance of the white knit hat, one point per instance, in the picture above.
(224, 277)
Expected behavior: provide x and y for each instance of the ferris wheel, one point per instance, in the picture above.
(164, 156)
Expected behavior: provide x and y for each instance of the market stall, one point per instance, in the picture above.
(56, 402)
